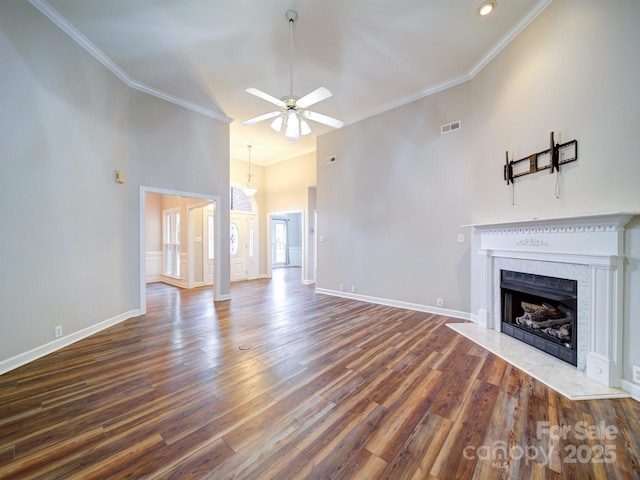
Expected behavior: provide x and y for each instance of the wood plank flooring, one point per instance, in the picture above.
(330, 388)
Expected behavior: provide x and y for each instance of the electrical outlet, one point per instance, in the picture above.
(461, 238)
(636, 374)
(440, 302)
(342, 287)
(57, 331)
(353, 289)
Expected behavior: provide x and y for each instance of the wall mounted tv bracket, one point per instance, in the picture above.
(557, 154)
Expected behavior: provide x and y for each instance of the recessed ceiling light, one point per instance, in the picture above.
(486, 8)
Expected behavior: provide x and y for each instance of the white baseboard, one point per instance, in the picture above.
(632, 388)
(175, 282)
(308, 282)
(46, 349)
(395, 303)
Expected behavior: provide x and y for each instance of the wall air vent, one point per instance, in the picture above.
(330, 160)
(450, 127)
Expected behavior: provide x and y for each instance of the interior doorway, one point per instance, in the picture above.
(151, 240)
(280, 242)
(286, 240)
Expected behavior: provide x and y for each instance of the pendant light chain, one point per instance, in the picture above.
(249, 190)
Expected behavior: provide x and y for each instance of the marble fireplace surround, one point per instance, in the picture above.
(588, 249)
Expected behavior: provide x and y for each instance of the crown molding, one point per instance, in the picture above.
(52, 14)
(507, 38)
(452, 82)
(533, 12)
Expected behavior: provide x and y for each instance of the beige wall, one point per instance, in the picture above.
(287, 190)
(282, 187)
(153, 223)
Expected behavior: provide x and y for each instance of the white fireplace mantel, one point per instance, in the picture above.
(588, 249)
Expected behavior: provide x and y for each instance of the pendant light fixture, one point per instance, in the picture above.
(250, 189)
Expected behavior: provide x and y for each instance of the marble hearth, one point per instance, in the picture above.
(588, 249)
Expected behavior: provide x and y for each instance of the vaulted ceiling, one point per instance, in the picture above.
(372, 54)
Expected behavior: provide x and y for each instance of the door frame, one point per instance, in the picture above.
(205, 252)
(217, 288)
(302, 231)
(191, 240)
(274, 220)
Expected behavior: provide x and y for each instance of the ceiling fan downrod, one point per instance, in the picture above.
(292, 16)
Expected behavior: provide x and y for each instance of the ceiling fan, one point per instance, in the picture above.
(293, 113)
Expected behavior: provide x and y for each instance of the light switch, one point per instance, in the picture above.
(119, 176)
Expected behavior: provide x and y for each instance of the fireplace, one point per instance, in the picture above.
(588, 252)
(541, 311)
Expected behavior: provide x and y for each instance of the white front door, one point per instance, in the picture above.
(243, 247)
(252, 245)
(238, 239)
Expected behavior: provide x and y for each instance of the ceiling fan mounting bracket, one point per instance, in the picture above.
(289, 101)
(292, 16)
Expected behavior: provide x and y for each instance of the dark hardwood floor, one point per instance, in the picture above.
(326, 388)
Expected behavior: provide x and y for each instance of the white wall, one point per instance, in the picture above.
(175, 149)
(63, 130)
(391, 206)
(575, 70)
(70, 248)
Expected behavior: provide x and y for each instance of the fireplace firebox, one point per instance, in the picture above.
(541, 311)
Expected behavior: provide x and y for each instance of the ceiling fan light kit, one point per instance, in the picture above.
(293, 113)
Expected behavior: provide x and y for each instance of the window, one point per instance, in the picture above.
(171, 242)
(251, 228)
(233, 237)
(240, 202)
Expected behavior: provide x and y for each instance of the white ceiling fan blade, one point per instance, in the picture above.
(260, 118)
(265, 96)
(320, 118)
(316, 96)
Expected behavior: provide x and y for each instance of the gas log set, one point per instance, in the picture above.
(541, 311)
(553, 321)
